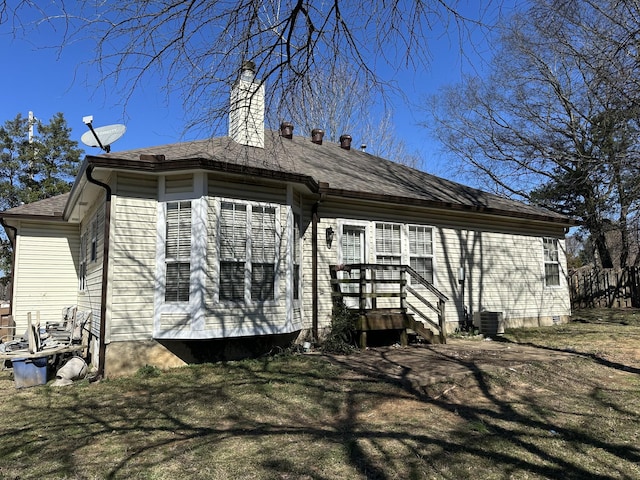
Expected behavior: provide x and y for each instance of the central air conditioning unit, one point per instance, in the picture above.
(489, 323)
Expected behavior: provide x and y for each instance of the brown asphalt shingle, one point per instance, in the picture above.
(49, 207)
(348, 173)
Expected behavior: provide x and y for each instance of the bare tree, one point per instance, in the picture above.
(334, 100)
(339, 103)
(382, 139)
(197, 47)
(556, 120)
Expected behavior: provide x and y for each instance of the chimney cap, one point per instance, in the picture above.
(345, 142)
(249, 65)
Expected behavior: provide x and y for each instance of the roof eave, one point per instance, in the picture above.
(160, 165)
(337, 192)
(41, 218)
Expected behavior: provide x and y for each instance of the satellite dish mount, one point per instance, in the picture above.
(101, 137)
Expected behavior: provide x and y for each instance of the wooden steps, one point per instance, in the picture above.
(392, 319)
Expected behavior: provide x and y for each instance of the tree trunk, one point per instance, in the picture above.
(603, 251)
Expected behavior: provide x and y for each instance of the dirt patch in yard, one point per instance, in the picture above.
(417, 366)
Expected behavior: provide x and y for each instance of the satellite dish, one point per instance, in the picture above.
(102, 137)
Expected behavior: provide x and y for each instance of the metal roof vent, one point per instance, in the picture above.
(286, 130)
(345, 142)
(316, 135)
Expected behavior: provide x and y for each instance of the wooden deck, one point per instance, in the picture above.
(392, 320)
(373, 283)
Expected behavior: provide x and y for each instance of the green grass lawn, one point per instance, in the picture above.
(298, 417)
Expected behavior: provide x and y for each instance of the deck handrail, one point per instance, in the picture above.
(364, 294)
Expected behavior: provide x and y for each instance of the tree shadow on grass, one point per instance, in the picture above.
(593, 356)
(524, 430)
(301, 417)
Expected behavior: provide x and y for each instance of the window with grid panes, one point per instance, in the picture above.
(388, 248)
(263, 252)
(233, 250)
(82, 270)
(247, 251)
(551, 262)
(296, 256)
(421, 251)
(94, 238)
(178, 251)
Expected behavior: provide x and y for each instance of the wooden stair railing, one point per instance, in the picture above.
(368, 293)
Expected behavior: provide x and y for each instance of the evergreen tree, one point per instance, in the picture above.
(34, 166)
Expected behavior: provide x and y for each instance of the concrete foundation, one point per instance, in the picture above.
(125, 358)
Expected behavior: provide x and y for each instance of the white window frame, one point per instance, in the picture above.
(248, 260)
(82, 267)
(382, 253)
(410, 255)
(296, 255)
(178, 259)
(194, 307)
(94, 238)
(548, 260)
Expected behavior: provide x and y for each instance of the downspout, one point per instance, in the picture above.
(13, 260)
(102, 346)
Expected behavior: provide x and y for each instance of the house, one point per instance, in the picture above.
(183, 248)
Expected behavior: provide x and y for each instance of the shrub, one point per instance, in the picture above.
(341, 337)
(148, 371)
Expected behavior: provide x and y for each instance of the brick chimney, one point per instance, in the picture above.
(246, 114)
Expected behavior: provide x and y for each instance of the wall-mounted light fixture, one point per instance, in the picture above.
(330, 236)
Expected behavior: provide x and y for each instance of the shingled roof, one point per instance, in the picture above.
(51, 208)
(325, 168)
(348, 173)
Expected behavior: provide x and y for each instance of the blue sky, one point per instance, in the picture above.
(48, 80)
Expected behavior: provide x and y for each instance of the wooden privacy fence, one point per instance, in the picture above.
(605, 288)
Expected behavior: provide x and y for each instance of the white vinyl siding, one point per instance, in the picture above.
(133, 259)
(46, 278)
(90, 260)
(503, 273)
(178, 251)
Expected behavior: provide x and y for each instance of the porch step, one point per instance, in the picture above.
(392, 319)
(381, 319)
